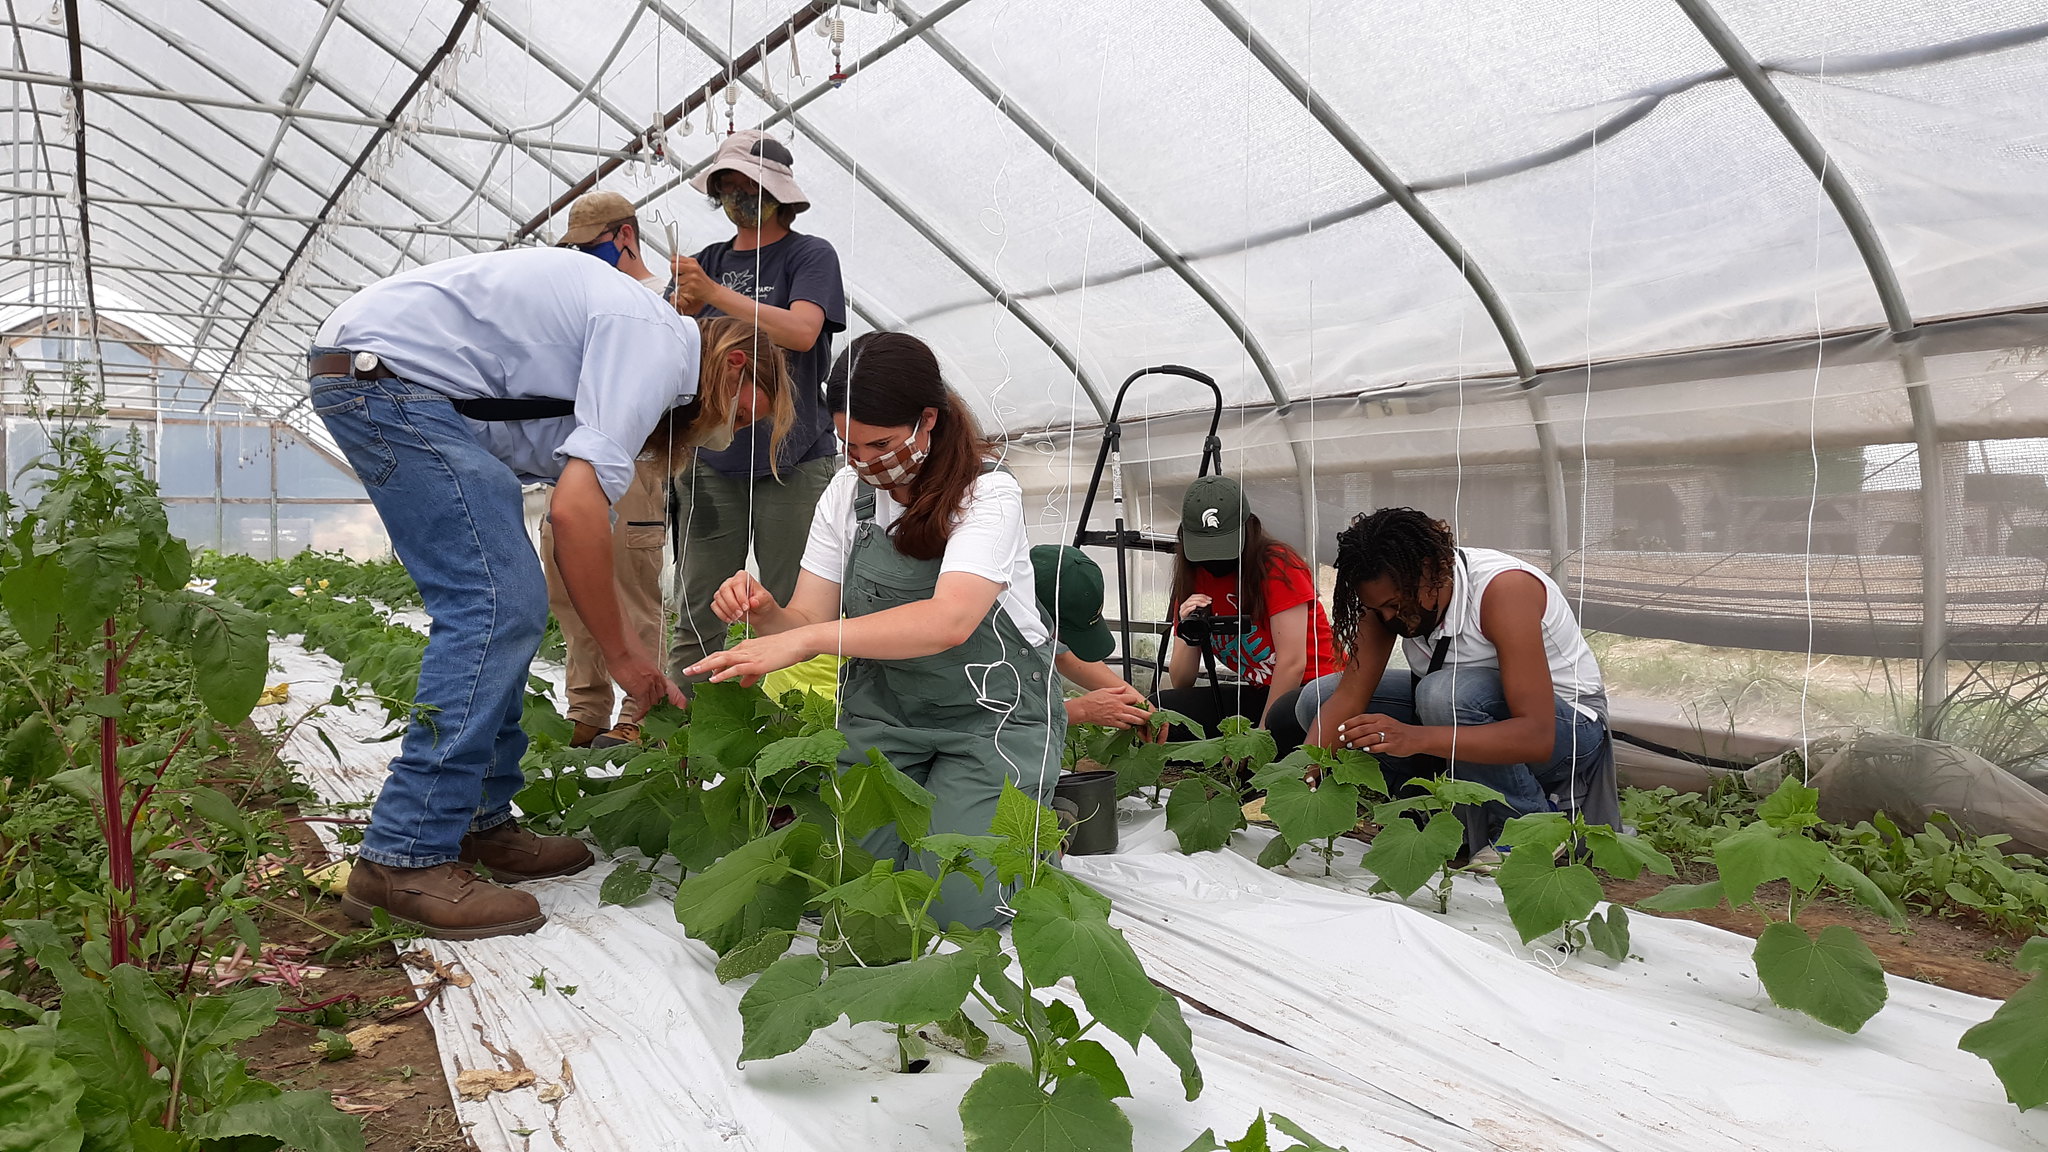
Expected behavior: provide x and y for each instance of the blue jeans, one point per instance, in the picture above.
(1473, 696)
(454, 515)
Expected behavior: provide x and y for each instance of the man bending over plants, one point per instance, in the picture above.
(1501, 686)
(445, 387)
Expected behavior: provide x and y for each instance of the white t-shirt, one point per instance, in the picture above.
(1574, 673)
(988, 541)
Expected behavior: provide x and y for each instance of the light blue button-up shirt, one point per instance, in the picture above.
(539, 323)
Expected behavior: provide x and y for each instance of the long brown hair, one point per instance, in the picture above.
(888, 379)
(712, 407)
(1260, 559)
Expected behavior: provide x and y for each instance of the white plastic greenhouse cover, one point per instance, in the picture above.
(1117, 182)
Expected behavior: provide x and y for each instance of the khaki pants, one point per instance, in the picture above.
(639, 528)
(721, 516)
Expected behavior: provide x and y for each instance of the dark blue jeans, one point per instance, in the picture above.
(1470, 697)
(454, 515)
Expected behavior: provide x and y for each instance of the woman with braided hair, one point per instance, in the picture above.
(1500, 687)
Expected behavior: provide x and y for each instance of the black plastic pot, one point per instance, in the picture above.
(1094, 793)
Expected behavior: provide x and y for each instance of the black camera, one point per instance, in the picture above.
(1203, 627)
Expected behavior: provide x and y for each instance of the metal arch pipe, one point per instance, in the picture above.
(1891, 296)
(1124, 214)
(1489, 297)
(260, 37)
(255, 213)
(419, 81)
(120, 101)
(952, 252)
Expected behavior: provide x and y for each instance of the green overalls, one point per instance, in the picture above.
(959, 722)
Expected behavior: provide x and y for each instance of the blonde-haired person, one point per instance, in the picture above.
(445, 387)
(918, 571)
(639, 531)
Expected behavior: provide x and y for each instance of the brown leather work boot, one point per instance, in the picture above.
(514, 854)
(448, 900)
(619, 736)
(584, 734)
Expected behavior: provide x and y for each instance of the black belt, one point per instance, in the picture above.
(489, 410)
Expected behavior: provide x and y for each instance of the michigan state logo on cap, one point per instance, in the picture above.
(1209, 518)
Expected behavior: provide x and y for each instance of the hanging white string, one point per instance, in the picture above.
(1813, 435)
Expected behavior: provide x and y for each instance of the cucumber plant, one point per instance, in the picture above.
(1548, 886)
(1420, 834)
(1316, 814)
(1831, 975)
(1259, 1137)
(1207, 804)
(2015, 1039)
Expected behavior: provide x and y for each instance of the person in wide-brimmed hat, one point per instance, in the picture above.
(786, 283)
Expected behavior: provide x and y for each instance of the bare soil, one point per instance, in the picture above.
(396, 1084)
(1954, 954)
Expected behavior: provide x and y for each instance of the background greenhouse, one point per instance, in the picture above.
(1730, 315)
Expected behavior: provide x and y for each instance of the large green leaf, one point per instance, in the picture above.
(2015, 1038)
(1405, 857)
(1169, 1029)
(1609, 933)
(783, 1008)
(628, 882)
(98, 570)
(921, 991)
(1461, 792)
(1834, 977)
(1537, 834)
(1006, 1111)
(38, 1097)
(1058, 937)
(31, 753)
(1304, 814)
(1140, 767)
(1543, 897)
(1760, 854)
(1624, 857)
(873, 794)
(1091, 1059)
(1029, 831)
(1350, 766)
(1851, 879)
(110, 1064)
(1792, 807)
(1684, 898)
(726, 730)
(709, 826)
(754, 955)
(715, 897)
(1200, 816)
(230, 651)
(171, 1029)
(883, 891)
(302, 1120)
(819, 749)
(32, 592)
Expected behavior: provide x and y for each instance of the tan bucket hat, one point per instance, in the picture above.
(593, 214)
(760, 158)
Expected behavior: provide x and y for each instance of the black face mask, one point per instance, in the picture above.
(1217, 567)
(1422, 624)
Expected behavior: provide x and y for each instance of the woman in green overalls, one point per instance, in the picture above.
(919, 573)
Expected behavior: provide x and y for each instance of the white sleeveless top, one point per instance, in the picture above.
(1574, 673)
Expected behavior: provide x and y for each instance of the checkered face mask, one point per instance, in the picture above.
(891, 469)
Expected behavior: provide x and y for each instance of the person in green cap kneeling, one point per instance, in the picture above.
(918, 572)
(1070, 592)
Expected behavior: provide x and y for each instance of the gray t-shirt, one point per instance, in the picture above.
(796, 267)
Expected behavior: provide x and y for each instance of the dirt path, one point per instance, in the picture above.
(393, 1078)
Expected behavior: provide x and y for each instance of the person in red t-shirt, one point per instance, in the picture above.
(1228, 566)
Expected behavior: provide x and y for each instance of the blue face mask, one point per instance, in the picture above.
(607, 252)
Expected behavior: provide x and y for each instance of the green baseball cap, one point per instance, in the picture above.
(1070, 587)
(1212, 520)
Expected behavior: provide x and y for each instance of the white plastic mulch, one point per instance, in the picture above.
(1371, 1023)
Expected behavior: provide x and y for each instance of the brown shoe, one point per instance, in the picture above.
(447, 901)
(584, 734)
(619, 736)
(514, 854)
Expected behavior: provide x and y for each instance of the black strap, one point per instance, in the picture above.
(499, 410)
(1436, 658)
